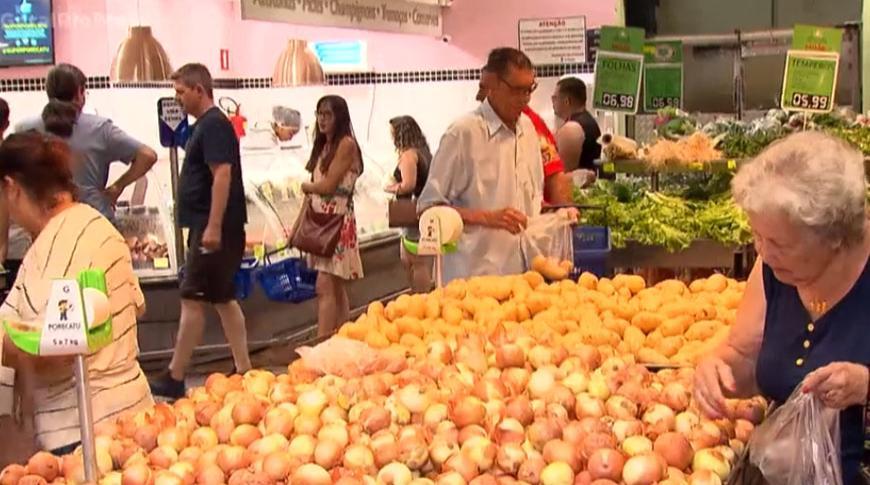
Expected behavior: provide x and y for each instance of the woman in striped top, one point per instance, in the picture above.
(36, 180)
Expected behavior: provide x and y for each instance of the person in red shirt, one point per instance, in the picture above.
(557, 186)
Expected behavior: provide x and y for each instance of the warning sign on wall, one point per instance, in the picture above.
(554, 40)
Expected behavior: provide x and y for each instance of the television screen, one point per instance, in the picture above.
(26, 36)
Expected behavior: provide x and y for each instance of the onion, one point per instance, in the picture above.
(562, 451)
(589, 406)
(706, 435)
(451, 478)
(541, 356)
(485, 479)
(750, 410)
(248, 411)
(606, 463)
(704, 477)
(675, 449)
(12, 474)
(481, 451)
(509, 458)
(658, 419)
(43, 464)
(311, 402)
(139, 474)
(622, 429)
(434, 415)
(743, 430)
(278, 420)
(686, 422)
(244, 435)
(598, 387)
(463, 465)
(204, 438)
(643, 469)
(163, 457)
(509, 431)
(595, 441)
(541, 383)
(619, 407)
(413, 398)
(282, 392)
(184, 471)
(520, 408)
(637, 445)
(394, 474)
(358, 457)
(441, 450)
(328, 454)
(232, 458)
(711, 460)
(166, 477)
(305, 424)
(375, 419)
(268, 444)
(509, 355)
(413, 452)
(191, 455)
(557, 473)
(490, 389)
(562, 396)
(541, 432)
(302, 448)
(576, 381)
(439, 351)
(277, 465)
(676, 396)
(146, 437)
(466, 411)
(516, 379)
(530, 470)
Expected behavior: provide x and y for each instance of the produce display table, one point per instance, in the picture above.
(700, 254)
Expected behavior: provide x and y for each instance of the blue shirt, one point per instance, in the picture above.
(840, 335)
(98, 143)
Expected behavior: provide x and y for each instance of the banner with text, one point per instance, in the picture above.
(554, 41)
(381, 15)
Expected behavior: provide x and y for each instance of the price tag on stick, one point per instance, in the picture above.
(810, 81)
(618, 69)
(662, 76)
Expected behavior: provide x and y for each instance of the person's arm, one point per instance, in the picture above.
(569, 142)
(341, 164)
(558, 189)
(122, 147)
(222, 176)
(4, 230)
(219, 145)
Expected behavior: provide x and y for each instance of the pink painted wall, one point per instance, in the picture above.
(88, 33)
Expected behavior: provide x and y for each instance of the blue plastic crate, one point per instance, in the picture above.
(289, 280)
(591, 250)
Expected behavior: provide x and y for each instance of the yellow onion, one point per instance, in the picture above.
(481, 451)
(466, 411)
(359, 457)
(395, 474)
(509, 458)
(557, 473)
(564, 452)
(311, 474)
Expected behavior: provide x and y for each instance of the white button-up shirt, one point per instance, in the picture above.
(482, 164)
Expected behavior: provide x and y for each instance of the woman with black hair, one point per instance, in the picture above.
(335, 164)
(410, 176)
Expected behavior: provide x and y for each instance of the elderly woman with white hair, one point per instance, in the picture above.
(804, 316)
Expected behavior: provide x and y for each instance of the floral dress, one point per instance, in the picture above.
(346, 262)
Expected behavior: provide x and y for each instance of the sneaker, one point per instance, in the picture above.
(166, 386)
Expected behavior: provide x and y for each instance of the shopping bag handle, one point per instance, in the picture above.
(580, 207)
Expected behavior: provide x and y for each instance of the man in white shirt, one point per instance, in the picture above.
(488, 167)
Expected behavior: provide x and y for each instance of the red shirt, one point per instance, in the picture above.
(550, 155)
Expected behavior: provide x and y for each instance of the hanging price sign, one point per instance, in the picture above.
(618, 69)
(811, 67)
(663, 76)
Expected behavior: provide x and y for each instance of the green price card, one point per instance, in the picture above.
(617, 81)
(662, 75)
(621, 39)
(809, 81)
(820, 39)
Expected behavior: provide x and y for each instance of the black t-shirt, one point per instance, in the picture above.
(212, 141)
(591, 148)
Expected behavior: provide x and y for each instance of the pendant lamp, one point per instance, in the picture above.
(297, 66)
(140, 57)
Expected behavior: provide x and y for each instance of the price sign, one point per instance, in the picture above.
(617, 82)
(618, 69)
(810, 81)
(161, 263)
(172, 123)
(430, 236)
(64, 331)
(662, 76)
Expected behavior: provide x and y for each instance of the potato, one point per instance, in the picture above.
(673, 286)
(669, 346)
(409, 325)
(375, 309)
(647, 321)
(537, 302)
(605, 286)
(452, 314)
(634, 337)
(534, 279)
(676, 325)
(523, 313)
(716, 283)
(377, 340)
(617, 325)
(391, 332)
(654, 339)
(635, 283)
(647, 355)
(588, 281)
(677, 308)
(627, 311)
(703, 330)
(456, 289)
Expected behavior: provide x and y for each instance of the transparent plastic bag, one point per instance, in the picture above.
(799, 443)
(549, 235)
(349, 358)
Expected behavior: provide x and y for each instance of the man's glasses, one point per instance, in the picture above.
(520, 90)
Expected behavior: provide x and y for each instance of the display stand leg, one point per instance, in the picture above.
(86, 419)
(439, 271)
(173, 179)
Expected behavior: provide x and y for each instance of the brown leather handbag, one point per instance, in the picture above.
(317, 233)
(402, 212)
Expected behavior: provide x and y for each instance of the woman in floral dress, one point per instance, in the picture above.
(335, 164)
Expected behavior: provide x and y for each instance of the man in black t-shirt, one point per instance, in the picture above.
(577, 139)
(211, 205)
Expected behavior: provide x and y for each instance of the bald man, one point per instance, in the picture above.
(557, 186)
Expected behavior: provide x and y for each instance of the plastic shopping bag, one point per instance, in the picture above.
(549, 236)
(349, 358)
(799, 443)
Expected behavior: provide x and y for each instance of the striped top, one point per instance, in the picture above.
(76, 239)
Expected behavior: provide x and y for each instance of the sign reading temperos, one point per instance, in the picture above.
(618, 70)
(662, 75)
(811, 66)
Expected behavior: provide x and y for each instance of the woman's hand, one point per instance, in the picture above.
(306, 188)
(839, 385)
(713, 376)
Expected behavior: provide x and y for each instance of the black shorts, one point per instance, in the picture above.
(210, 277)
